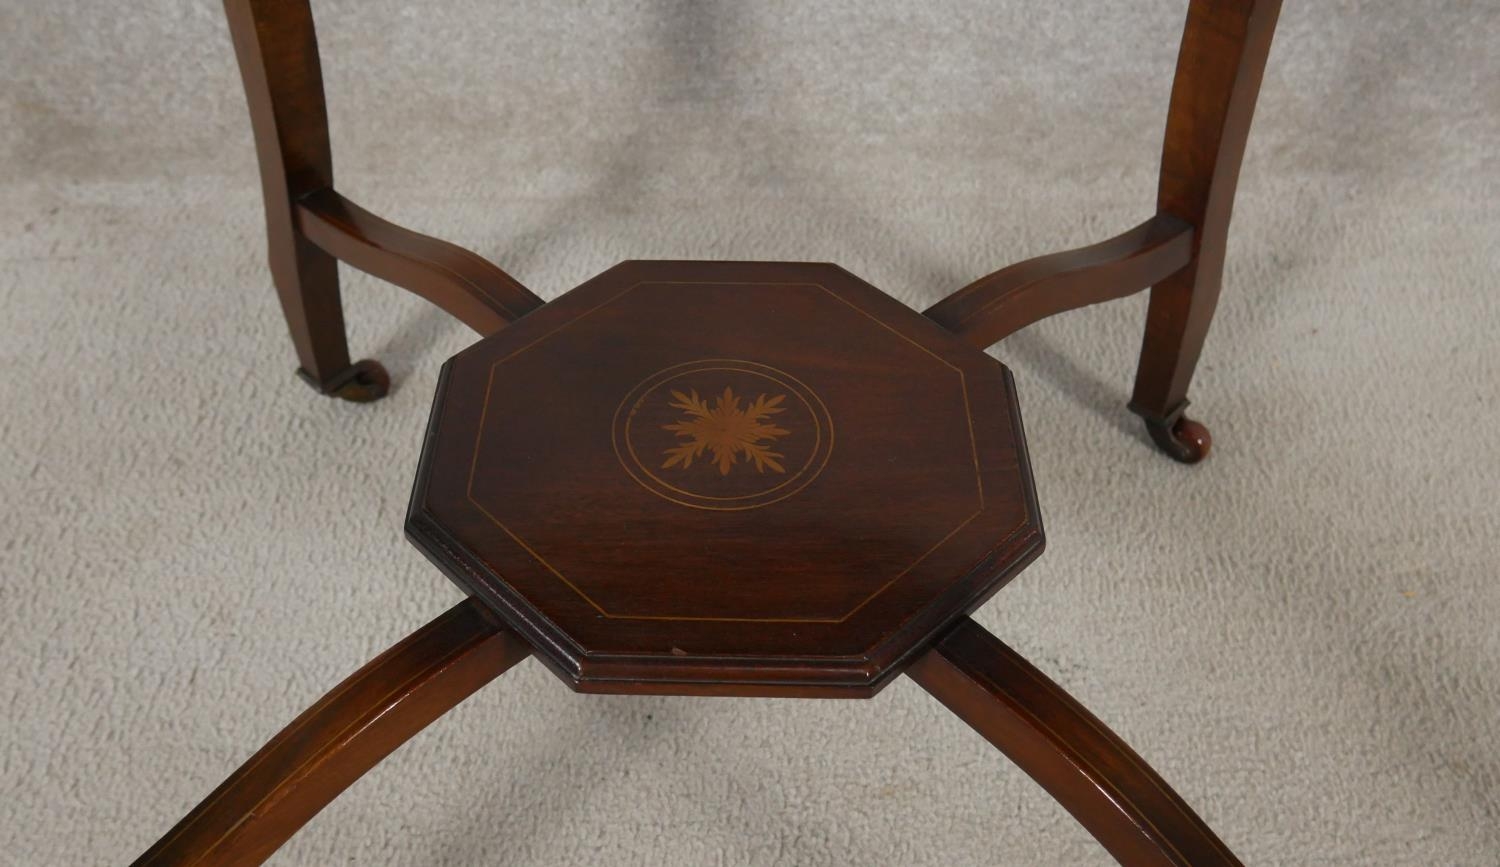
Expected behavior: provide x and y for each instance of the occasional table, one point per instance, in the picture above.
(729, 478)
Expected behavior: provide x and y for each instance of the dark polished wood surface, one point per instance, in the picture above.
(1178, 253)
(334, 742)
(730, 478)
(737, 478)
(1107, 787)
(468, 287)
(1000, 304)
(1219, 67)
(283, 77)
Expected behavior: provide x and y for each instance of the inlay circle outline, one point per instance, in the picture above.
(642, 473)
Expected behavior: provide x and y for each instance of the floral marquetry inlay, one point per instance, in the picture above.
(726, 430)
(723, 434)
(726, 478)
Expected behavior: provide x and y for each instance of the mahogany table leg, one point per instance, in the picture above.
(278, 55)
(1219, 68)
(334, 742)
(1099, 779)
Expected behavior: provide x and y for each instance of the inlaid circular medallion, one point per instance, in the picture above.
(723, 434)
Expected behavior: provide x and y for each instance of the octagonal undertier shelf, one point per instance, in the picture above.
(726, 478)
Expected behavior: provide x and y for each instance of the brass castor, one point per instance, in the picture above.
(1184, 440)
(362, 382)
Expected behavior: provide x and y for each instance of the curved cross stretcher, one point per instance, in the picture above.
(1177, 253)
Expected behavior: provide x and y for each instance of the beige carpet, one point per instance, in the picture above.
(1300, 634)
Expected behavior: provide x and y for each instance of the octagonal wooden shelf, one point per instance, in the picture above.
(726, 478)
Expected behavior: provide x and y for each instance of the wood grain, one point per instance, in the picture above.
(1000, 304)
(551, 484)
(1099, 779)
(730, 478)
(277, 48)
(1219, 69)
(468, 287)
(334, 742)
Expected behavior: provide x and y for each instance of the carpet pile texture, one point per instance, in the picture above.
(1299, 633)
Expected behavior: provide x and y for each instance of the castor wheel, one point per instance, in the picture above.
(1184, 440)
(361, 382)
